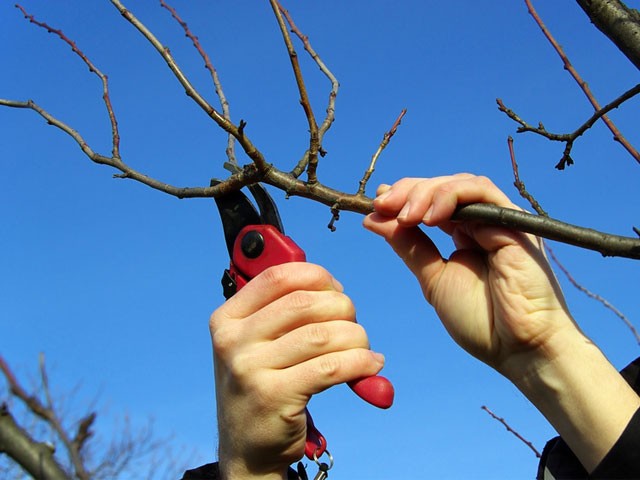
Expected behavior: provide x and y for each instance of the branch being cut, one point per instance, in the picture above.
(262, 171)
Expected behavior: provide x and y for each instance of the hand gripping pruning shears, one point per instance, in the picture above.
(256, 241)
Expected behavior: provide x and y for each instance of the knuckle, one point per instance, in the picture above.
(330, 366)
(317, 335)
(343, 304)
(276, 276)
(241, 368)
(215, 320)
(484, 181)
(362, 357)
(224, 340)
(295, 274)
(300, 301)
(360, 333)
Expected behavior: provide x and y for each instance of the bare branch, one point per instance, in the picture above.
(511, 430)
(605, 243)
(567, 138)
(261, 171)
(314, 141)
(592, 295)
(217, 84)
(330, 111)
(115, 135)
(35, 458)
(252, 152)
(385, 141)
(618, 22)
(519, 184)
(583, 85)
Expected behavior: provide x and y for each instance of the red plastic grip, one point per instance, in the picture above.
(376, 390)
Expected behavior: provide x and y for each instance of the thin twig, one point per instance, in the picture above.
(215, 78)
(314, 141)
(519, 184)
(252, 152)
(593, 295)
(583, 85)
(335, 85)
(567, 138)
(383, 144)
(511, 430)
(93, 69)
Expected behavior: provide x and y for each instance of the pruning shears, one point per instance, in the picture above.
(256, 241)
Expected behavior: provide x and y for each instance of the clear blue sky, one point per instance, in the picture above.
(115, 282)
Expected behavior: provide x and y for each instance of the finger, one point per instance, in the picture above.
(447, 196)
(391, 200)
(320, 373)
(294, 310)
(275, 282)
(411, 244)
(311, 341)
(433, 201)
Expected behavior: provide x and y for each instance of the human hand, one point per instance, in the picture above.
(496, 295)
(288, 334)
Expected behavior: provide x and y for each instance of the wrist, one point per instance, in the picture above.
(581, 394)
(239, 469)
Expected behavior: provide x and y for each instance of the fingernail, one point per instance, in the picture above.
(405, 211)
(378, 357)
(382, 189)
(337, 285)
(381, 198)
(427, 216)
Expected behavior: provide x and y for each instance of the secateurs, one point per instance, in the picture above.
(256, 241)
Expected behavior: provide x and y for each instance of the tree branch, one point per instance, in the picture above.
(314, 141)
(383, 144)
(215, 78)
(567, 138)
(593, 295)
(35, 458)
(600, 112)
(330, 111)
(511, 430)
(619, 23)
(262, 171)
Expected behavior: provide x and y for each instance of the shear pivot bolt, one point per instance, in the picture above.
(252, 244)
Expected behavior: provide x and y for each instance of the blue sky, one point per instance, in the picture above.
(115, 282)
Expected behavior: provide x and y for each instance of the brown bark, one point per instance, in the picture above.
(34, 457)
(618, 22)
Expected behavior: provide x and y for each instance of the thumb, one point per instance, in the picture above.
(411, 244)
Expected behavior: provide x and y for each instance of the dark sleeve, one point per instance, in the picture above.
(210, 471)
(622, 461)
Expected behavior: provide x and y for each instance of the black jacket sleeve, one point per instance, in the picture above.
(210, 471)
(622, 461)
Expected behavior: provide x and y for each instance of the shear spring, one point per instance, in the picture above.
(323, 468)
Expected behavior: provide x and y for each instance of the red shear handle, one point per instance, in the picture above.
(259, 247)
(376, 390)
